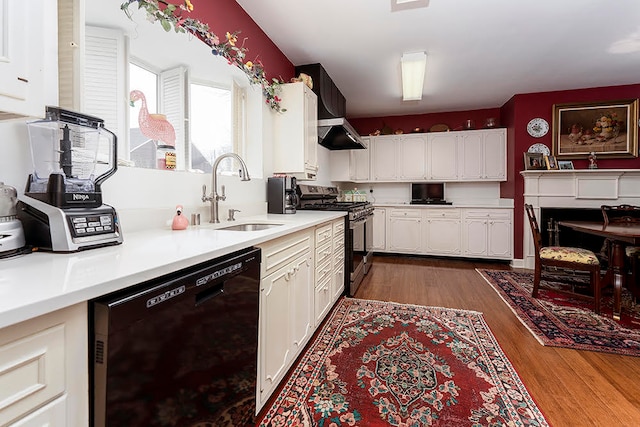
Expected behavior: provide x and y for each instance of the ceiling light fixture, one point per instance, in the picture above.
(413, 69)
(397, 5)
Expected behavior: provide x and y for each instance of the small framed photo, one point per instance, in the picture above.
(534, 161)
(565, 164)
(551, 162)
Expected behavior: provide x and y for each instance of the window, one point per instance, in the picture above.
(210, 127)
(142, 149)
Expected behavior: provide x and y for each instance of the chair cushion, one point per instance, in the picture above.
(568, 254)
(632, 251)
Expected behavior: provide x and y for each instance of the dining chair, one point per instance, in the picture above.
(625, 214)
(566, 257)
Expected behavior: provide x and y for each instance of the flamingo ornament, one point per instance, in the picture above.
(154, 126)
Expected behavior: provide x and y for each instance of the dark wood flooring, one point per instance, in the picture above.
(571, 387)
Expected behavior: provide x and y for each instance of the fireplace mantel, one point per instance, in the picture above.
(585, 188)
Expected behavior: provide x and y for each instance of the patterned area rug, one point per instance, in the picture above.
(385, 364)
(556, 319)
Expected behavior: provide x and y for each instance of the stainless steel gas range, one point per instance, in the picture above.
(358, 256)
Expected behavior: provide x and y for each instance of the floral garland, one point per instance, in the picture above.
(171, 16)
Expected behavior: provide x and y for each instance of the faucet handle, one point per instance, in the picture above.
(222, 196)
(205, 198)
(231, 213)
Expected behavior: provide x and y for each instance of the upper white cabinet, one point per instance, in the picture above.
(296, 133)
(412, 152)
(28, 57)
(473, 155)
(384, 155)
(359, 166)
(483, 155)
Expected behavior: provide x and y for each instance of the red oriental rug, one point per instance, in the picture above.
(558, 320)
(386, 364)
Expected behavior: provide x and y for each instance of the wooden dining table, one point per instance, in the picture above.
(620, 236)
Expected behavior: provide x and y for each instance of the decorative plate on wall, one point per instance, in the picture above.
(539, 148)
(537, 127)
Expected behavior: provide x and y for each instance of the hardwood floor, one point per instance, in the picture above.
(571, 387)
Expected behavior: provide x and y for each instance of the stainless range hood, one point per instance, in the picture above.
(334, 131)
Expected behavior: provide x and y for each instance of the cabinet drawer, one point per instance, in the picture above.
(323, 234)
(323, 253)
(443, 213)
(279, 252)
(322, 300)
(338, 227)
(488, 213)
(406, 213)
(323, 271)
(32, 372)
(338, 243)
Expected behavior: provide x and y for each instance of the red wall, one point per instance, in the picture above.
(227, 16)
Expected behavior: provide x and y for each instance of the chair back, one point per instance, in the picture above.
(620, 214)
(535, 230)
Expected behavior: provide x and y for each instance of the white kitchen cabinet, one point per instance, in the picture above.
(359, 165)
(28, 58)
(443, 231)
(404, 231)
(296, 133)
(442, 157)
(286, 307)
(483, 155)
(379, 229)
(44, 372)
(488, 233)
(412, 155)
(384, 154)
(337, 284)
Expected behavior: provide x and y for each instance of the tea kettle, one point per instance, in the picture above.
(11, 232)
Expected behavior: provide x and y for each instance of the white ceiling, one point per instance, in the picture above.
(479, 52)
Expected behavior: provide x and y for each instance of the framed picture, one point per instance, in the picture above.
(534, 161)
(551, 162)
(609, 129)
(565, 164)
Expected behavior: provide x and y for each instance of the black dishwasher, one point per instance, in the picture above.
(179, 350)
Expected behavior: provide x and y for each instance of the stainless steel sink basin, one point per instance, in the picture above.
(250, 227)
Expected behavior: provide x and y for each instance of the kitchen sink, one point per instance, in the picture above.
(250, 227)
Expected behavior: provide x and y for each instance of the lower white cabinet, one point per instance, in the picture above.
(404, 231)
(44, 372)
(488, 233)
(285, 307)
(472, 233)
(302, 277)
(442, 232)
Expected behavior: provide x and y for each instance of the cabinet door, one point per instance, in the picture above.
(338, 275)
(412, 156)
(359, 163)
(404, 234)
(443, 236)
(471, 156)
(378, 229)
(311, 131)
(442, 157)
(383, 162)
(274, 351)
(302, 303)
(500, 238)
(475, 237)
(495, 159)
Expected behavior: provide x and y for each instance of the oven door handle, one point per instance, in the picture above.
(360, 221)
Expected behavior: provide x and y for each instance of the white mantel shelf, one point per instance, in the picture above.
(582, 188)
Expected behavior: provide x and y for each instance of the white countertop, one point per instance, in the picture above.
(41, 282)
(436, 206)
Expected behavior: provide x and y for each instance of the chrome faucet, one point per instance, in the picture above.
(215, 197)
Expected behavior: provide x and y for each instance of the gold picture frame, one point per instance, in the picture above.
(551, 162)
(609, 129)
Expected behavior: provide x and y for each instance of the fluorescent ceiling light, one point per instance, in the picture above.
(397, 5)
(413, 69)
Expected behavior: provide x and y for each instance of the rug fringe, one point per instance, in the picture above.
(535, 335)
(459, 310)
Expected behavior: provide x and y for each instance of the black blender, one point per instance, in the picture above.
(62, 209)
